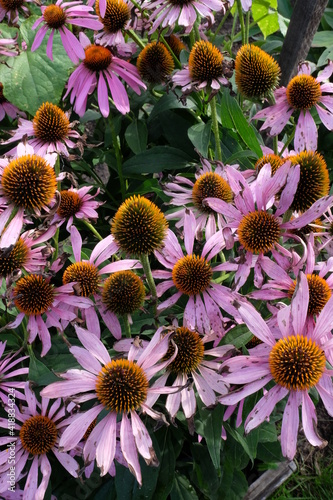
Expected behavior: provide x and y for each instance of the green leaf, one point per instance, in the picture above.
(265, 14)
(241, 440)
(211, 429)
(204, 475)
(33, 78)
(155, 160)
(136, 136)
(182, 489)
(39, 373)
(167, 469)
(199, 135)
(323, 39)
(169, 101)
(232, 117)
(238, 336)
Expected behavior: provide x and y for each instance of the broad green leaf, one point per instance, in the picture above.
(39, 373)
(169, 101)
(205, 477)
(199, 135)
(265, 14)
(323, 39)
(136, 136)
(33, 77)
(211, 430)
(167, 469)
(238, 336)
(156, 160)
(325, 57)
(182, 489)
(231, 113)
(241, 440)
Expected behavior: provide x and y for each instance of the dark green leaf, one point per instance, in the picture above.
(167, 469)
(238, 336)
(136, 136)
(211, 430)
(156, 160)
(169, 101)
(182, 489)
(199, 135)
(39, 373)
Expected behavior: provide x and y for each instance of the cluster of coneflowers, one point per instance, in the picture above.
(269, 228)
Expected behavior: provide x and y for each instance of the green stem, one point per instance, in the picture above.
(247, 27)
(241, 20)
(196, 31)
(92, 229)
(118, 157)
(215, 127)
(175, 58)
(135, 38)
(224, 18)
(149, 277)
(287, 215)
(192, 38)
(289, 140)
(127, 326)
(275, 144)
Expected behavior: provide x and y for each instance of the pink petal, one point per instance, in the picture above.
(128, 447)
(290, 423)
(264, 407)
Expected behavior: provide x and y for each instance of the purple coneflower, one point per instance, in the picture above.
(294, 357)
(116, 18)
(7, 385)
(76, 203)
(50, 131)
(192, 276)
(27, 185)
(8, 46)
(55, 17)
(99, 64)
(209, 183)
(10, 9)
(255, 224)
(88, 278)
(39, 430)
(103, 381)
(35, 297)
(303, 93)
(168, 12)
(195, 361)
(6, 108)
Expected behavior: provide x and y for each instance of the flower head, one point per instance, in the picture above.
(256, 72)
(115, 19)
(99, 65)
(40, 428)
(55, 17)
(8, 386)
(121, 387)
(205, 68)
(293, 355)
(50, 130)
(155, 63)
(303, 94)
(10, 9)
(139, 226)
(192, 276)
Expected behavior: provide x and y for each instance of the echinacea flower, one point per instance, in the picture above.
(49, 131)
(256, 72)
(10, 9)
(55, 18)
(255, 222)
(27, 253)
(192, 276)
(39, 427)
(115, 19)
(27, 185)
(76, 203)
(8, 386)
(168, 12)
(139, 227)
(121, 388)
(100, 65)
(205, 69)
(194, 360)
(8, 46)
(87, 275)
(6, 108)
(303, 93)
(155, 63)
(294, 357)
(246, 4)
(35, 297)
(185, 193)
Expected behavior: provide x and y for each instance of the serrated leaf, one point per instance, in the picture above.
(199, 135)
(33, 78)
(136, 136)
(232, 117)
(155, 160)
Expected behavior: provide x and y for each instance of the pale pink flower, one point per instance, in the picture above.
(255, 222)
(292, 355)
(55, 17)
(192, 276)
(100, 65)
(190, 195)
(303, 93)
(246, 4)
(120, 401)
(36, 298)
(8, 386)
(88, 277)
(168, 12)
(40, 428)
(9, 10)
(8, 46)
